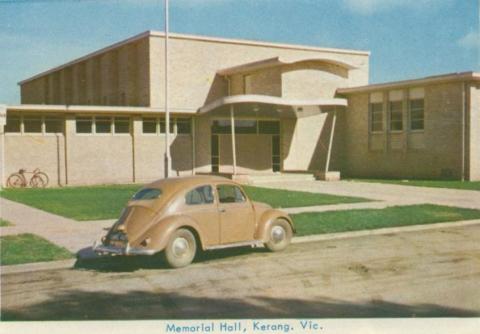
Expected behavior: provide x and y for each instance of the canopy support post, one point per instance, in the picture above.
(234, 151)
(332, 131)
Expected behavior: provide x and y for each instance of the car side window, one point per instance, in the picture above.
(199, 195)
(230, 194)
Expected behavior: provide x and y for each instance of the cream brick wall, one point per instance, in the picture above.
(312, 80)
(474, 133)
(100, 80)
(36, 151)
(34, 92)
(427, 154)
(194, 63)
(305, 142)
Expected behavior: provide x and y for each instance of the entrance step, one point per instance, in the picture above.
(280, 177)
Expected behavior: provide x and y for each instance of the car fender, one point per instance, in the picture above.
(159, 234)
(267, 219)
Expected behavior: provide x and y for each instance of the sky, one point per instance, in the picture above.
(407, 38)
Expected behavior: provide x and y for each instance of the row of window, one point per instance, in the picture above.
(246, 126)
(416, 119)
(156, 125)
(17, 123)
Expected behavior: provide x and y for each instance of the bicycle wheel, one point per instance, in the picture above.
(39, 180)
(16, 180)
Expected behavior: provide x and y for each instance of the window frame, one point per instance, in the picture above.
(390, 113)
(92, 131)
(20, 125)
(410, 118)
(62, 122)
(157, 126)
(110, 118)
(126, 119)
(371, 116)
(38, 117)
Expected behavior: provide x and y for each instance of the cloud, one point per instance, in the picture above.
(470, 41)
(367, 7)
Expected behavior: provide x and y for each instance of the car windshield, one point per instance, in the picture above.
(147, 194)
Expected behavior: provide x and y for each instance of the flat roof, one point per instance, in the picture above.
(463, 76)
(94, 109)
(196, 38)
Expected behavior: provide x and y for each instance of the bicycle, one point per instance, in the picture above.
(18, 180)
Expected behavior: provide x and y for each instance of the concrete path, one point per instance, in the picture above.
(68, 233)
(386, 192)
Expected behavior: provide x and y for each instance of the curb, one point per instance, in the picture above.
(383, 231)
(37, 266)
(64, 264)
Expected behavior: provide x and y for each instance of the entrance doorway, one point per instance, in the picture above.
(258, 146)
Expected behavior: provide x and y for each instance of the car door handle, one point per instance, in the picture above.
(222, 210)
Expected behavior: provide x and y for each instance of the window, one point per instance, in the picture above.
(200, 195)
(230, 194)
(84, 124)
(54, 124)
(396, 116)
(417, 114)
(215, 154)
(183, 125)
(221, 126)
(122, 124)
(269, 127)
(245, 126)
(376, 117)
(32, 124)
(13, 122)
(103, 124)
(149, 125)
(276, 153)
(147, 194)
(162, 125)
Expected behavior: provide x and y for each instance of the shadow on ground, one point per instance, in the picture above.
(133, 263)
(82, 305)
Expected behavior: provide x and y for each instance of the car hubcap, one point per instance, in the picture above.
(278, 234)
(180, 247)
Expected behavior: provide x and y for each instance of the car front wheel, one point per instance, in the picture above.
(181, 248)
(279, 235)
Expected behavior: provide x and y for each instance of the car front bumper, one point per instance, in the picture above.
(102, 249)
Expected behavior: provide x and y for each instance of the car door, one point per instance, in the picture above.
(236, 214)
(200, 206)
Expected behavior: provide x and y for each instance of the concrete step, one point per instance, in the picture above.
(280, 177)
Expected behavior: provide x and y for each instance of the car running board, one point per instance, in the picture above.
(253, 243)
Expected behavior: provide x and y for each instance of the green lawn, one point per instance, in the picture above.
(279, 198)
(464, 185)
(26, 248)
(106, 202)
(366, 219)
(80, 203)
(3, 222)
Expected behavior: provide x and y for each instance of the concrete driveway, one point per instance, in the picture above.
(422, 274)
(398, 194)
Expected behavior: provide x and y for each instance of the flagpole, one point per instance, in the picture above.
(168, 158)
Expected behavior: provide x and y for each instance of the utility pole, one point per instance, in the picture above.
(168, 158)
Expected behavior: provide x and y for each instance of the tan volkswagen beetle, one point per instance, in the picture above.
(179, 216)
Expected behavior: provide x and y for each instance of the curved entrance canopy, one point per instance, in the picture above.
(271, 106)
(279, 61)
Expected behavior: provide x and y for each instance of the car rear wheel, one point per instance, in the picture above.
(181, 248)
(279, 234)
